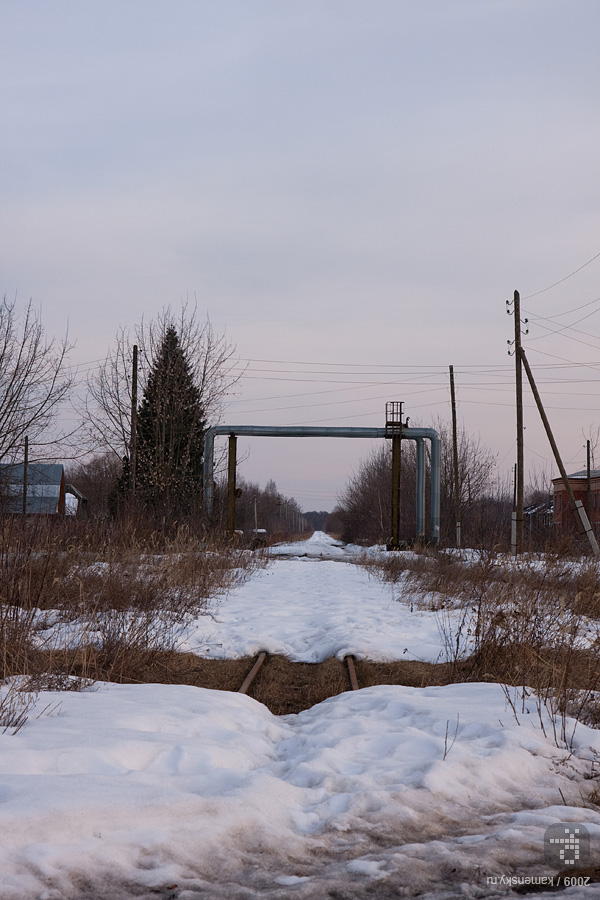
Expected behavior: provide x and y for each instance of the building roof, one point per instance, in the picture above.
(45, 484)
(580, 476)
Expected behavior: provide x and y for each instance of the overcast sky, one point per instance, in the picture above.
(353, 182)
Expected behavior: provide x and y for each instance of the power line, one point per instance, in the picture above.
(569, 363)
(568, 336)
(540, 455)
(568, 311)
(561, 408)
(354, 400)
(301, 394)
(392, 369)
(570, 327)
(556, 283)
(360, 400)
(297, 362)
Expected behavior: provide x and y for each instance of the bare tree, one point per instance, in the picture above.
(593, 436)
(364, 504)
(259, 507)
(96, 479)
(211, 357)
(34, 381)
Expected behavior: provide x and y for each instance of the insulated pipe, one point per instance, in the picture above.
(420, 505)
(434, 534)
(269, 431)
(413, 434)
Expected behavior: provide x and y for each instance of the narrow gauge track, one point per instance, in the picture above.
(262, 656)
(284, 686)
(288, 687)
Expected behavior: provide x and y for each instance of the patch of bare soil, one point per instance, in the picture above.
(281, 685)
(289, 687)
(412, 673)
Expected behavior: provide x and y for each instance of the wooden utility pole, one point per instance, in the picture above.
(513, 524)
(133, 431)
(588, 504)
(396, 473)
(393, 430)
(455, 458)
(519, 398)
(25, 474)
(231, 467)
(577, 505)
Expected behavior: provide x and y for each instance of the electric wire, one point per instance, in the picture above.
(562, 328)
(569, 363)
(568, 337)
(560, 281)
(568, 311)
(571, 324)
(405, 377)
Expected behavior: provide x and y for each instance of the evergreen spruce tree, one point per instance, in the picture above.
(170, 431)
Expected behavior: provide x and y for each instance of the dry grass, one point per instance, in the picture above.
(121, 600)
(532, 624)
(289, 687)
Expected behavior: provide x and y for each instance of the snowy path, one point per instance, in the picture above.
(311, 608)
(167, 791)
(153, 786)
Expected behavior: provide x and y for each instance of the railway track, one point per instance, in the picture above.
(285, 687)
(289, 687)
(262, 656)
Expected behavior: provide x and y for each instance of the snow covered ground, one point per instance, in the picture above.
(308, 607)
(160, 791)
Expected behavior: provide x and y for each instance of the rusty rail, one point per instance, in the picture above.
(349, 660)
(252, 673)
(352, 672)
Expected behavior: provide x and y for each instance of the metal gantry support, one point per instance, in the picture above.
(413, 434)
(393, 431)
(231, 487)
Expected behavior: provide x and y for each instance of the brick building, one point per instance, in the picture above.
(564, 517)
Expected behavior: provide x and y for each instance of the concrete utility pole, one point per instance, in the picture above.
(455, 458)
(577, 505)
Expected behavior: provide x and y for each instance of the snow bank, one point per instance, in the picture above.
(153, 786)
(318, 546)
